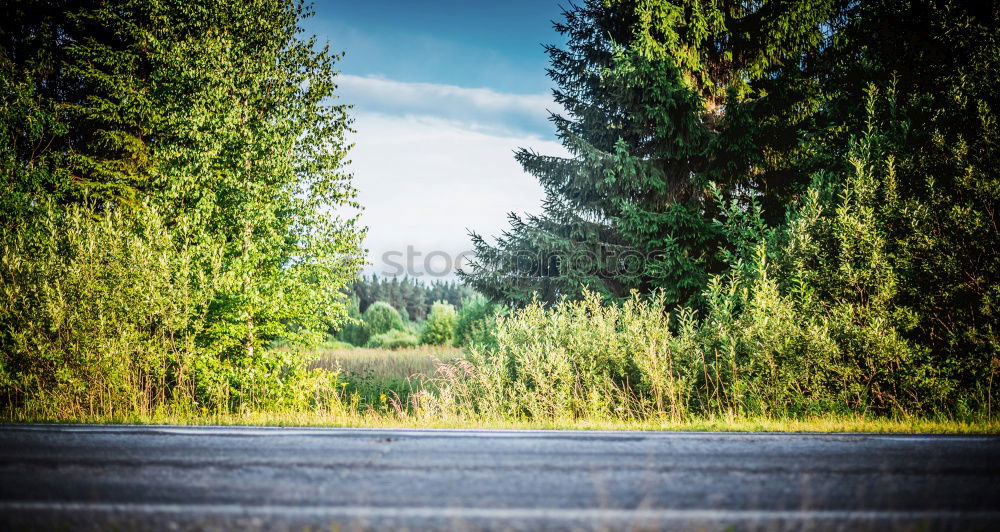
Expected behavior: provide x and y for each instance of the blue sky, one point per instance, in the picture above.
(471, 43)
(443, 92)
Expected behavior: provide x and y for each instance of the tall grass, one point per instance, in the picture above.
(387, 363)
(385, 380)
(575, 360)
(604, 363)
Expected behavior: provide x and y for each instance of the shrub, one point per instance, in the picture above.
(412, 327)
(806, 320)
(354, 331)
(97, 312)
(440, 325)
(104, 313)
(381, 318)
(476, 320)
(393, 339)
(575, 359)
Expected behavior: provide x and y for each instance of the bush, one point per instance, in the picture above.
(476, 320)
(412, 327)
(95, 312)
(354, 331)
(103, 313)
(381, 318)
(575, 359)
(440, 325)
(393, 339)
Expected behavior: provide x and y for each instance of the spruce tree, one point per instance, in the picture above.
(77, 106)
(661, 99)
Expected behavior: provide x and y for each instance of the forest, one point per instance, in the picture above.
(781, 212)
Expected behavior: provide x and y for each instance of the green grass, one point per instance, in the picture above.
(375, 419)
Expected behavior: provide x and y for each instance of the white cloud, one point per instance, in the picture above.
(425, 182)
(432, 162)
(477, 109)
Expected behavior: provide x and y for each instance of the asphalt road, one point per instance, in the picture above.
(174, 478)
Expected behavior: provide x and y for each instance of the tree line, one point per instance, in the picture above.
(411, 297)
(404, 312)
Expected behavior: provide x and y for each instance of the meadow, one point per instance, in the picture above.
(384, 380)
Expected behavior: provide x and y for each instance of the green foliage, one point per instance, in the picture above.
(574, 359)
(940, 126)
(73, 335)
(256, 133)
(383, 380)
(172, 173)
(333, 344)
(439, 329)
(590, 360)
(811, 316)
(355, 334)
(660, 98)
(381, 318)
(832, 251)
(354, 331)
(393, 339)
(809, 319)
(124, 338)
(476, 320)
(79, 108)
(217, 118)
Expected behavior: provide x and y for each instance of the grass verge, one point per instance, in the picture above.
(372, 419)
(378, 381)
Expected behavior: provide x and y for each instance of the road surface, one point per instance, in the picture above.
(177, 478)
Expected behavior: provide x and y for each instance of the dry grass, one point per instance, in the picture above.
(387, 363)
